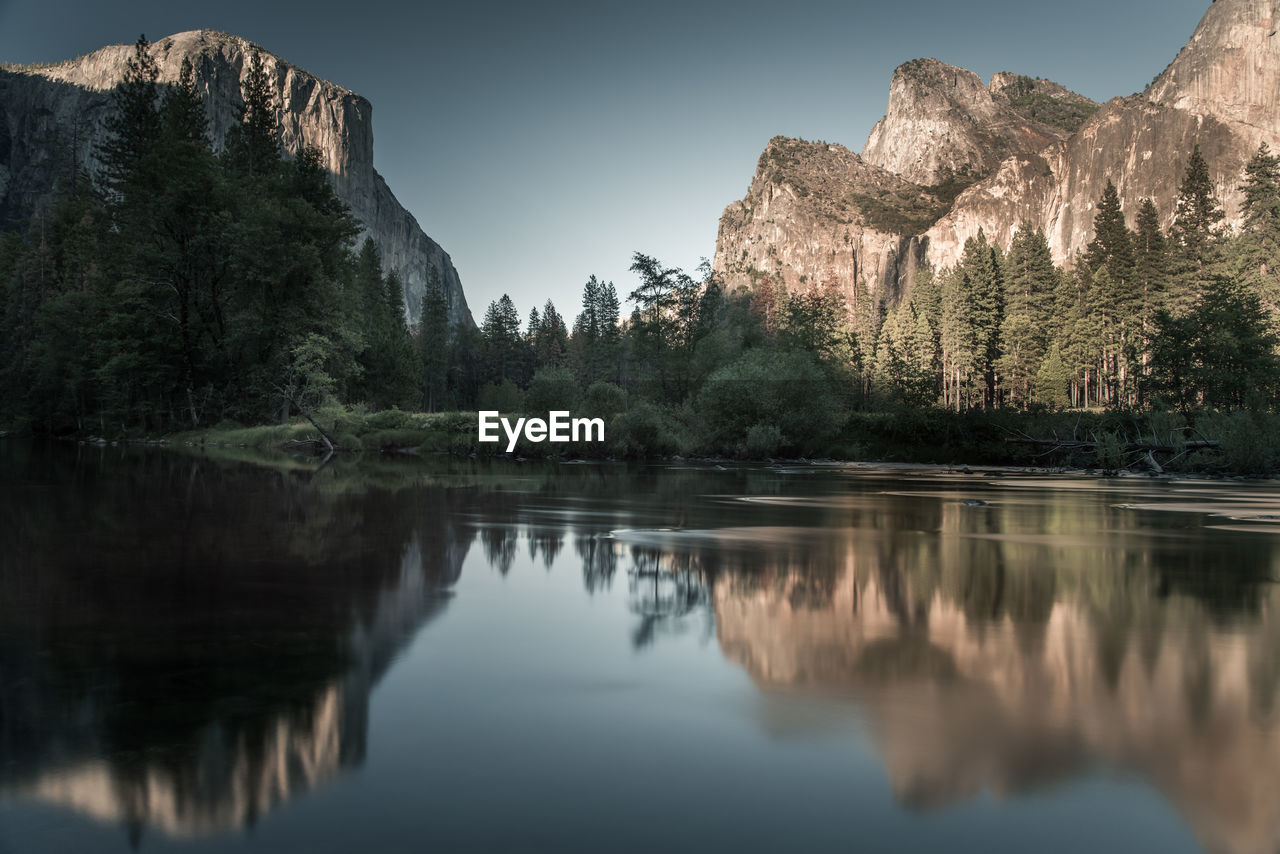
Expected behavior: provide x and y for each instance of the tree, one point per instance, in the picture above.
(133, 129)
(1053, 381)
(662, 326)
(1150, 270)
(253, 146)
(1221, 354)
(1195, 235)
(1024, 332)
(501, 345)
(550, 338)
(1257, 251)
(1112, 244)
(433, 343)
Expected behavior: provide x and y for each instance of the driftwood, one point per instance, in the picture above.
(1132, 447)
(1146, 450)
(329, 444)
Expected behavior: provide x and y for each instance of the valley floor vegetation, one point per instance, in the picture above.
(195, 291)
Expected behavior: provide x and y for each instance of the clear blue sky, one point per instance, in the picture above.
(542, 143)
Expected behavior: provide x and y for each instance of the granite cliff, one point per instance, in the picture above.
(1017, 149)
(52, 119)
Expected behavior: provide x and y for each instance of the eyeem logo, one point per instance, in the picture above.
(558, 427)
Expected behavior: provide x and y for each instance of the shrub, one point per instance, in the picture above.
(389, 419)
(504, 397)
(551, 388)
(763, 440)
(604, 400)
(1250, 440)
(645, 430)
(784, 388)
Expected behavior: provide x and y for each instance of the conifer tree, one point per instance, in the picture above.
(1257, 251)
(1151, 269)
(133, 130)
(1112, 244)
(501, 344)
(433, 343)
(1029, 291)
(1195, 235)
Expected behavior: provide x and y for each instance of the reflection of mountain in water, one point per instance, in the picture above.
(995, 665)
(196, 683)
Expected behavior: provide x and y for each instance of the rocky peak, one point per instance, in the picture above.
(54, 114)
(1043, 101)
(1230, 69)
(942, 122)
(818, 213)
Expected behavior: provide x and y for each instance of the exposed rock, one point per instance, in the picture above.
(1222, 92)
(52, 118)
(942, 122)
(1042, 100)
(818, 213)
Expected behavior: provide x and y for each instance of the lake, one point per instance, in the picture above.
(268, 655)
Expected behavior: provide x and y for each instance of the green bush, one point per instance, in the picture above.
(603, 400)
(1110, 450)
(784, 388)
(645, 430)
(389, 419)
(1250, 441)
(763, 440)
(504, 397)
(551, 388)
(348, 442)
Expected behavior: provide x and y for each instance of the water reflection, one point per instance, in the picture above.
(195, 683)
(1015, 648)
(185, 645)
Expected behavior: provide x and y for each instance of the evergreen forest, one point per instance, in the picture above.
(194, 287)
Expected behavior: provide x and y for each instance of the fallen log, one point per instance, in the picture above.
(1132, 447)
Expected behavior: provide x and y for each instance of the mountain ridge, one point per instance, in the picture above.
(1221, 92)
(52, 115)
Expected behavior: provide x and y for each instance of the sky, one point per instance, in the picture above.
(541, 143)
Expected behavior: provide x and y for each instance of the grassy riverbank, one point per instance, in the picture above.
(1248, 443)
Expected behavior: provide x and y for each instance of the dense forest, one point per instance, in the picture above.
(188, 286)
(184, 287)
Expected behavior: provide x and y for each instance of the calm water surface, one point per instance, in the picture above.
(203, 655)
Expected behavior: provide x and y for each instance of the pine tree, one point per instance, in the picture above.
(984, 296)
(182, 109)
(133, 130)
(1195, 235)
(1112, 244)
(433, 343)
(501, 343)
(1150, 271)
(550, 338)
(1257, 251)
(253, 146)
(1053, 381)
(1029, 291)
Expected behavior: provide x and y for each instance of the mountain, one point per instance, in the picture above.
(52, 120)
(991, 157)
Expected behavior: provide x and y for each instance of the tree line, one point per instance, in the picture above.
(182, 286)
(1147, 317)
(187, 286)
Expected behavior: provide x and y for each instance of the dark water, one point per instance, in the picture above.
(201, 655)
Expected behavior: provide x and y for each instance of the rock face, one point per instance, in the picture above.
(1041, 153)
(942, 122)
(810, 218)
(52, 119)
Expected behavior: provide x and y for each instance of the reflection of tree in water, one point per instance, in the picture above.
(499, 543)
(204, 646)
(546, 540)
(664, 592)
(599, 560)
